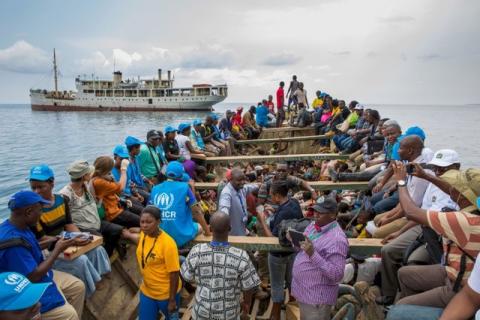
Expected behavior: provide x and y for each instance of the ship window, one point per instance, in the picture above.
(149, 101)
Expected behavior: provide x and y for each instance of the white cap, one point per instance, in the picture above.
(445, 158)
(359, 106)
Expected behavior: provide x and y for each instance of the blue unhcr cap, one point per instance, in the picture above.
(17, 292)
(169, 129)
(175, 170)
(121, 151)
(183, 126)
(416, 131)
(197, 122)
(214, 116)
(132, 141)
(41, 173)
(25, 198)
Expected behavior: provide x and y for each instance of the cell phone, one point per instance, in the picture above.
(296, 236)
(411, 168)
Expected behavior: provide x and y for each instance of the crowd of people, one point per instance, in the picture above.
(421, 203)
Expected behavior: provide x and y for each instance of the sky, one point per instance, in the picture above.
(373, 51)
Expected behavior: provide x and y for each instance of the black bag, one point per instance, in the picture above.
(432, 242)
(296, 224)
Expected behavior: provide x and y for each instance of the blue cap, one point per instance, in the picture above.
(214, 116)
(121, 151)
(175, 170)
(41, 173)
(183, 126)
(17, 292)
(197, 122)
(25, 198)
(416, 131)
(169, 129)
(131, 141)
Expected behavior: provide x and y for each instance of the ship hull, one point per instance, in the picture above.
(41, 103)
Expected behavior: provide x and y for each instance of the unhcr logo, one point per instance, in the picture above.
(164, 200)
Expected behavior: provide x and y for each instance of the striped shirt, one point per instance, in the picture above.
(463, 230)
(315, 279)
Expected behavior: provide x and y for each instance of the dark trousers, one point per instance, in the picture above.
(381, 205)
(111, 233)
(127, 219)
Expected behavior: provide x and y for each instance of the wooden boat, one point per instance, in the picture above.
(317, 185)
(280, 140)
(293, 140)
(278, 158)
(120, 298)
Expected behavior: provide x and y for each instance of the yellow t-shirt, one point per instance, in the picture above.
(162, 260)
(317, 103)
(336, 110)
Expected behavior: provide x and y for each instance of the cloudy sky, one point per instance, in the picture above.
(375, 51)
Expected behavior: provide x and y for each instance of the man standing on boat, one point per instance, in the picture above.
(233, 201)
(290, 92)
(319, 266)
(280, 104)
(221, 273)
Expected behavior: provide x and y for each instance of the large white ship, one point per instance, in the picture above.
(155, 94)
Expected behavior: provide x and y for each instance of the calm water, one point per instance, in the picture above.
(29, 138)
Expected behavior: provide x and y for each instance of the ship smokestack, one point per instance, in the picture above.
(169, 74)
(117, 78)
(159, 74)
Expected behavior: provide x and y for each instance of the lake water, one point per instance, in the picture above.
(29, 138)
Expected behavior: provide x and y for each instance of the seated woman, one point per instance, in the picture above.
(56, 218)
(185, 144)
(83, 207)
(172, 151)
(159, 263)
(106, 191)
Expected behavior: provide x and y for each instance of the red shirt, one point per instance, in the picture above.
(270, 106)
(280, 97)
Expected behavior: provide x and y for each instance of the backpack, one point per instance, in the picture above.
(432, 242)
(295, 224)
(14, 242)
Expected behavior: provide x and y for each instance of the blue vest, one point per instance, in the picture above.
(171, 198)
(116, 175)
(134, 174)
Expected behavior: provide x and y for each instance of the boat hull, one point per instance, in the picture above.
(38, 107)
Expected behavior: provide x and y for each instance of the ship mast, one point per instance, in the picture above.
(55, 71)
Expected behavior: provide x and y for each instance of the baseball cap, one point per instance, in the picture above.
(214, 116)
(17, 292)
(229, 112)
(197, 122)
(169, 129)
(467, 183)
(445, 158)
(183, 126)
(329, 205)
(153, 134)
(416, 131)
(41, 173)
(25, 198)
(132, 141)
(359, 106)
(121, 151)
(175, 170)
(79, 168)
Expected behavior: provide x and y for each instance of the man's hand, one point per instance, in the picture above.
(390, 237)
(378, 187)
(399, 170)
(419, 172)
(384, 220)
(62, 244)
(172, 306)
(307, 246)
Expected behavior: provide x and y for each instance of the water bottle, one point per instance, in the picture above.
(174, 316)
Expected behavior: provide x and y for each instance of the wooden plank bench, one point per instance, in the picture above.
(359, 246)
(317, 185)
(278, 158)
(279, 140)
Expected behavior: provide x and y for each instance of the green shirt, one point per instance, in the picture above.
(147, 166)
(352, 119)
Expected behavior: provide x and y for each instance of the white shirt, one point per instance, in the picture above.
(417, 186)
(435, 199)
(474, 281)
(182, 145)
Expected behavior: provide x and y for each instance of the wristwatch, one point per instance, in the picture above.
(401, 183)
